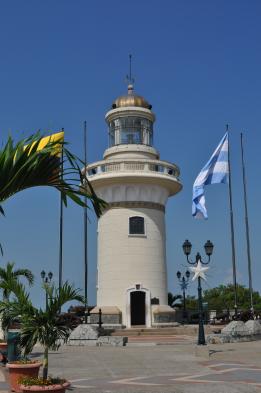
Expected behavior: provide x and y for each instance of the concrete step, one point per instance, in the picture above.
(154, 332)
(190, 330)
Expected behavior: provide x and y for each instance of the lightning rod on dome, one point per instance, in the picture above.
(129, 77)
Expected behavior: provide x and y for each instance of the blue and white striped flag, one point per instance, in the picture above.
(215, 171)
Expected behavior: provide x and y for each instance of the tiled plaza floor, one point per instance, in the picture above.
(234, 376)
(165, 368)
(162, 368)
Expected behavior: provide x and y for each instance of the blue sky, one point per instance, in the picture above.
(197, 62)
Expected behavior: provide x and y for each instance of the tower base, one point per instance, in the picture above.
(163, 315)
(110, 315)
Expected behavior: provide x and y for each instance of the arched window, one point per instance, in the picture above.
(136, 226)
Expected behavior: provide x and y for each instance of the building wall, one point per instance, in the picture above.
(126, 260)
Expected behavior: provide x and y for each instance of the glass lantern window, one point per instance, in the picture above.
(112, 134)
(129, 136)
(130, 130)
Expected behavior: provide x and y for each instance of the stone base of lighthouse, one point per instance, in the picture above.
(150, 316)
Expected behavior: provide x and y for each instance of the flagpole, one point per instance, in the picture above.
(85, 223)
(232, 229)
(61, 232)
(247, 228)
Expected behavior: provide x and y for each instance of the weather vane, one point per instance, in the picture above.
(129, 77)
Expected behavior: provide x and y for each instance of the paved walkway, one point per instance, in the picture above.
(3, 385)
(161, 368)
(162, 339)
(231, 368)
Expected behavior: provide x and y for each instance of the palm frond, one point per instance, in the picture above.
(20, 304)
(9, 277)
(2, 211)
(23, 165)
(46, 326)
(58, 298)
(25, 273)
(172, 299)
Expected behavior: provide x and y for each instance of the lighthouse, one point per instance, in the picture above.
(131, 235)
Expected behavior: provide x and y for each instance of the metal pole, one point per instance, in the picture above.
(232, 230)
(61, 232)
(185, 309)
(247, 229)
(85, 229)
(201, 333)
(184, 305)
(100, 318)
(46, 301)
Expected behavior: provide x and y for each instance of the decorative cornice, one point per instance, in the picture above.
(133, 204)
(132, 192)
(129, 110)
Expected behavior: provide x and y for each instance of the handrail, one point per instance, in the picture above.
(127, 165)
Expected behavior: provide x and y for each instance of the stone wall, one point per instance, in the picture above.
(164, 318)
(237, 331)
(110, 319)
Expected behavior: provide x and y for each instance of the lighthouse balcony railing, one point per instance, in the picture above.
(133, 166)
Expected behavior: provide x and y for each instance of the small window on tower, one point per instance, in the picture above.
(136, 226)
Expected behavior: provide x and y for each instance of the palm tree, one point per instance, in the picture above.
(9, 282)
(47, 327)
(43, 326)
(172, 300)
(8, 276)
(10, 309)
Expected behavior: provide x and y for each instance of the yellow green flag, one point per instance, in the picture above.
(57, 137)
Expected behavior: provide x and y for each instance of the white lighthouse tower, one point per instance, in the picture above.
(136, 184)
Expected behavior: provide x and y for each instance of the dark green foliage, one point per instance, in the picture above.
(70, 320)
(222, 298)
(172, 300)
(177, 301)
(77, 310)
(191, 302)
(13, 306)
(31, 381)
(8, 276)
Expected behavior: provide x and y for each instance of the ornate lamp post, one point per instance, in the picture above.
(183, 282)
(46, 278)
(199, 272)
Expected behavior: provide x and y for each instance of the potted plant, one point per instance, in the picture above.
(16, 303)
(50, 329)
(22, 368)
(7, 277)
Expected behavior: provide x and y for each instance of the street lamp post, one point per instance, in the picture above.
(183, 282)
(46, 278)
(199, 273)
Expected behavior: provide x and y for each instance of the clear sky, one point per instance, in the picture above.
(197, 62)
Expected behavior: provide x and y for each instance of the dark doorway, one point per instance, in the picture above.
(138, 308)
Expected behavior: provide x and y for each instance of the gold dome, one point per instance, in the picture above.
(131, 99)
